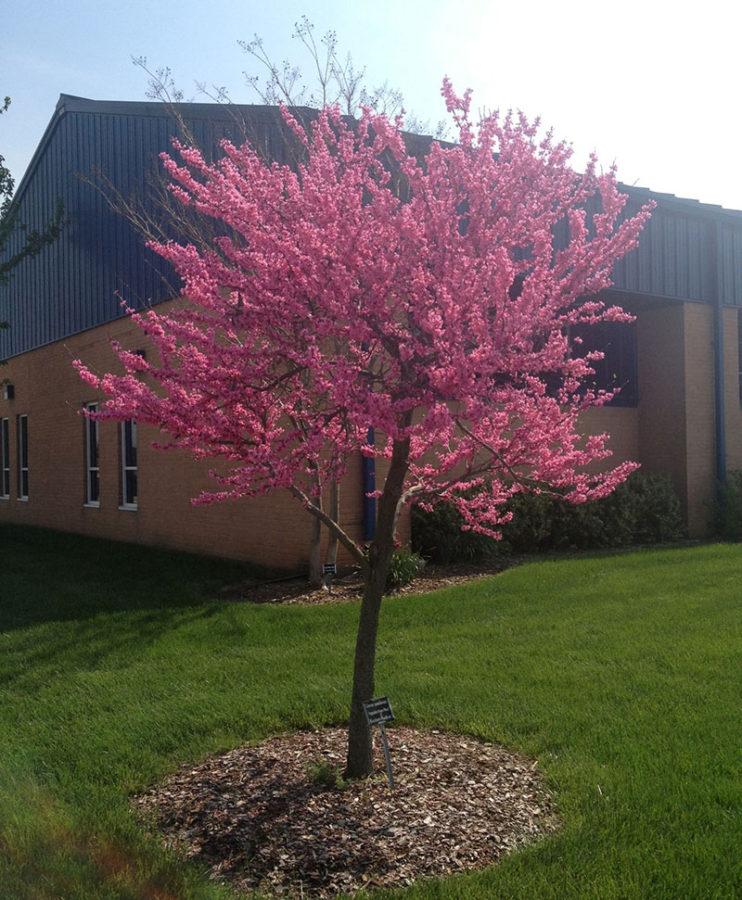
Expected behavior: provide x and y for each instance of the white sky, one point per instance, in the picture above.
(654, 85)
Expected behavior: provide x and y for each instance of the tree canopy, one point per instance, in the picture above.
(421, 294)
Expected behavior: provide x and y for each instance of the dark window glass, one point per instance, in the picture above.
(24, 442)
(5, 457)
(92, 480)
(22, 424)
(617, 340)
(129, 486)
(130, 443)
(93, 487)
(92, 444)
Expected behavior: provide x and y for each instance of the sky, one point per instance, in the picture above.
(652, 85)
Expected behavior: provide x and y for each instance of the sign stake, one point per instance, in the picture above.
(379, 712)
(328, 570)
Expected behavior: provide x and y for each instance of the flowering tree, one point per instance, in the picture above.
(421, 294)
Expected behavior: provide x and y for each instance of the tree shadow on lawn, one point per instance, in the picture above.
(105, 602)
(38, 657)
(51, 576)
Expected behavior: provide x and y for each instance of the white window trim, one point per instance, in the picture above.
(5, 453)
(91, 504)
(127, 507)
(21, 468)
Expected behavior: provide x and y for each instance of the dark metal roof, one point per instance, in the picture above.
(77, 282)
(72, 285)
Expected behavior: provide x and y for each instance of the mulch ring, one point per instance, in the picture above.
(349, 586)
(270, 818)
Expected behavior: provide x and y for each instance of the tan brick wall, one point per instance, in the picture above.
(271, 530)
(661, 373)
(731, 385)
(671, 431)
(621, 423)
(699, 416)
(676, 402)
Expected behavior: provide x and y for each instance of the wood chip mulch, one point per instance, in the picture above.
(260, 819)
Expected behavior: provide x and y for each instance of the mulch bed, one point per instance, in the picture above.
(349, 586)
(260, 818)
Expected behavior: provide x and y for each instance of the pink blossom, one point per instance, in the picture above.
(367, 286)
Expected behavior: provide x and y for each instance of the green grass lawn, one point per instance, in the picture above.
(621, 674)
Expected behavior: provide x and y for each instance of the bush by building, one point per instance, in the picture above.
(643, 510)
(728, 510)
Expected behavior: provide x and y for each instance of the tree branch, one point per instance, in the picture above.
(518, 479)
(345, 539)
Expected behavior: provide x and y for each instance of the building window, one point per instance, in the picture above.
(129, 494)
(5, 459)
(22, 423)
(617, 369)
(739, 352)
(92, 469)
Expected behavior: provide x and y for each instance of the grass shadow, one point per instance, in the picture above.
(51, 576)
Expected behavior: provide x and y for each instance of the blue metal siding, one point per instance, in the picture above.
(672, 259)
(77, 282)
(74, 284)
(731, 269)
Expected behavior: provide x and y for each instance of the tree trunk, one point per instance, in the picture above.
(360, 762)
(315, 556)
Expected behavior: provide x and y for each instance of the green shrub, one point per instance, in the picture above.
(657, 514)
(404, 568)
(437, 536)
(643, 510)
(728, 509)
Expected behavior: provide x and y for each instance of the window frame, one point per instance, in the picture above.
(90, 425)
(126, 468)
(22, 443)
(5, 468)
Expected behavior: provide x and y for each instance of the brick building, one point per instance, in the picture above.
(679, 364)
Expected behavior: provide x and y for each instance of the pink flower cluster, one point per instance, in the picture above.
(420, 294)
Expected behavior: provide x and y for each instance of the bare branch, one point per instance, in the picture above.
(345, 539)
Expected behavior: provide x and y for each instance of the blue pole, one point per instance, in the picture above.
(368, 478)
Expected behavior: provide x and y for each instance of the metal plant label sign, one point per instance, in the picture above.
(328, 570)
(379, 712)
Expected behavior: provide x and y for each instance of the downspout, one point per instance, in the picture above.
(719, 392)
(368, 484)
